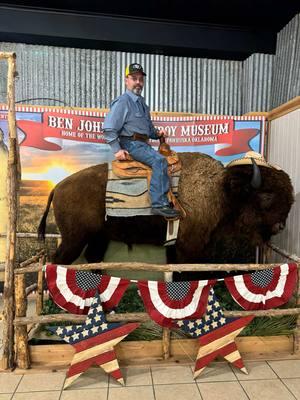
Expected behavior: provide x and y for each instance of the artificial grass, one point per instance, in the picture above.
(132, 302)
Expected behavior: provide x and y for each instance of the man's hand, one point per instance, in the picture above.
(161, 133)
(122, 155)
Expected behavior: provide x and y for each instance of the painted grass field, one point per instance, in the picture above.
(33, 200)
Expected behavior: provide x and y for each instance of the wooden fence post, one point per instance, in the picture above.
(22, 351)
(166, 337)
(39, 292)
(297, 328)
(13, 175)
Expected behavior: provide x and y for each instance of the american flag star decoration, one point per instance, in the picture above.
(216, 335)
(94, 343)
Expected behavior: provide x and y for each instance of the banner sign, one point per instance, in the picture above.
(56, 142)
(55, 134)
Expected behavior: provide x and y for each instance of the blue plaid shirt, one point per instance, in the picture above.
(128, 114)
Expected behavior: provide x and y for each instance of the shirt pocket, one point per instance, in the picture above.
(138, 115)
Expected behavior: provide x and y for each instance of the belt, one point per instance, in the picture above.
(137, 136)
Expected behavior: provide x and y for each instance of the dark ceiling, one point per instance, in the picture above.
(231, 29)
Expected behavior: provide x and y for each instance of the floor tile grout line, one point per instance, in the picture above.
(243, 389)
(277, 374)
(153, 388)
(108, 387)
(37, 391)
(70, 390)
(17, 386)
(183, 383)
(33, 392)
(234, 370)
(278, 378)
(201, 397)
(273, 369)
(62, 388)
(59, 397)
(288, 388)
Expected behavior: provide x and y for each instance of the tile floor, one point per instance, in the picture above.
(274, 380)
(267, 380)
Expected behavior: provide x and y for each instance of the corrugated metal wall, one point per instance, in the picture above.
(257, 79)
(284, 149)
(286, 74)
(92, 78)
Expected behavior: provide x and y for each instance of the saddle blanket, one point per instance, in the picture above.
(130, 197)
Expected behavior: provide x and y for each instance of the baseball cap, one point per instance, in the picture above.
(133, 68)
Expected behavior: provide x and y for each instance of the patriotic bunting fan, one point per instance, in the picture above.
(74, 290)
(169, 301)
(264, 289)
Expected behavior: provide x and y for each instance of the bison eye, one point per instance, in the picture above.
(265, 200)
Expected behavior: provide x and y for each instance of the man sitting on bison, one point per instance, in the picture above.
(229, 211)
(127, 129)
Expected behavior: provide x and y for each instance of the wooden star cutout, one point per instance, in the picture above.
(94, 343)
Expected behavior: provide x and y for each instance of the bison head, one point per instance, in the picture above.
(260, 198)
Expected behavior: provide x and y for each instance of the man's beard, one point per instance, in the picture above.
(137, 90)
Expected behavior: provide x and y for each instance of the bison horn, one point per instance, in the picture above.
(256, 177)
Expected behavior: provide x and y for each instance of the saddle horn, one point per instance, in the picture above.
(164, 148)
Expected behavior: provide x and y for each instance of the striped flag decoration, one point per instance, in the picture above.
(94, 343)
(74, 290)
(167, 302)
(216, 335)
(262, 290)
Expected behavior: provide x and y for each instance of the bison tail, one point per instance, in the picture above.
(42, 225)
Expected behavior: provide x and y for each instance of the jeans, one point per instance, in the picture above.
(160, 182)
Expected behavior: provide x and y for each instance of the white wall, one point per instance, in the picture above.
(284, 150)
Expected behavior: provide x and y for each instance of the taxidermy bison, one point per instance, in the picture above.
(229, 212)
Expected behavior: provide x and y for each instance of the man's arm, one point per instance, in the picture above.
(155, 133)
(114, 122)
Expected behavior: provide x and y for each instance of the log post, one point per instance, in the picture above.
(39, 292)
(22, 350)
(166, 336)
(297, 329)
(13, 175)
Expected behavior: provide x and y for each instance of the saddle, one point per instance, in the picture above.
(134, 169)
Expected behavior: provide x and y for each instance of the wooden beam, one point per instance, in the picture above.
(7, 55)
(142, 317)
(182, 350)
(136, 266)
(284, 253)
(30, 288)
(32, 260)
(284, 109)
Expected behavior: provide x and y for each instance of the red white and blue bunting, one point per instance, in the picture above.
(167, 302)
(191, 306)
(262, 290)
(74, 290)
